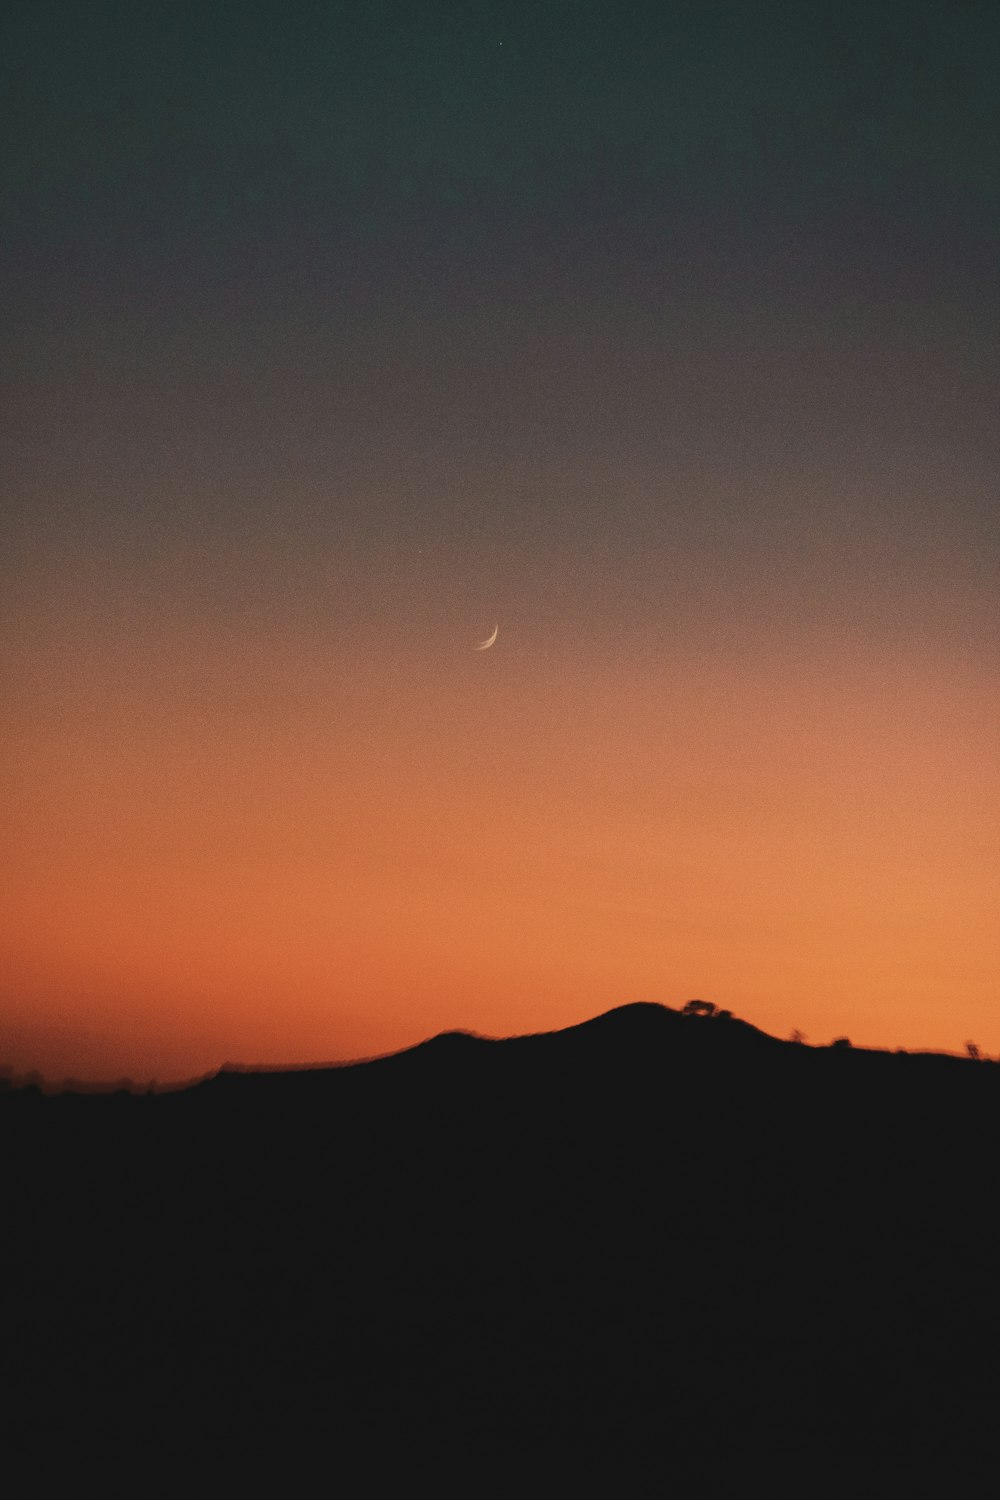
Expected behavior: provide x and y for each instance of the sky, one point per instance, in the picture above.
(663, 338)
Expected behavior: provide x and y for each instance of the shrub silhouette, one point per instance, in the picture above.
(698, 1008)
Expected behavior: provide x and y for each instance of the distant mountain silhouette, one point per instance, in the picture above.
(631, 1034)
(649, 1234)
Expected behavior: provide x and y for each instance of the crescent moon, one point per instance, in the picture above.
(485, 645)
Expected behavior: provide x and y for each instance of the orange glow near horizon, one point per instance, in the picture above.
(278, 847)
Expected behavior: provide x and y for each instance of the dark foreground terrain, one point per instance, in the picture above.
(652, 1240)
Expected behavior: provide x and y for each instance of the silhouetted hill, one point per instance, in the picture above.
(650, 1233)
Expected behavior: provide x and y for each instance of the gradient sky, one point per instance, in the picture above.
(664, 337)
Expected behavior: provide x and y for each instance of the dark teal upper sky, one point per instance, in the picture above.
(254, 250)
(131, 120)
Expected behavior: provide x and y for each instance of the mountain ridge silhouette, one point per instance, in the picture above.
(624, 1028)
(648, 1232)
